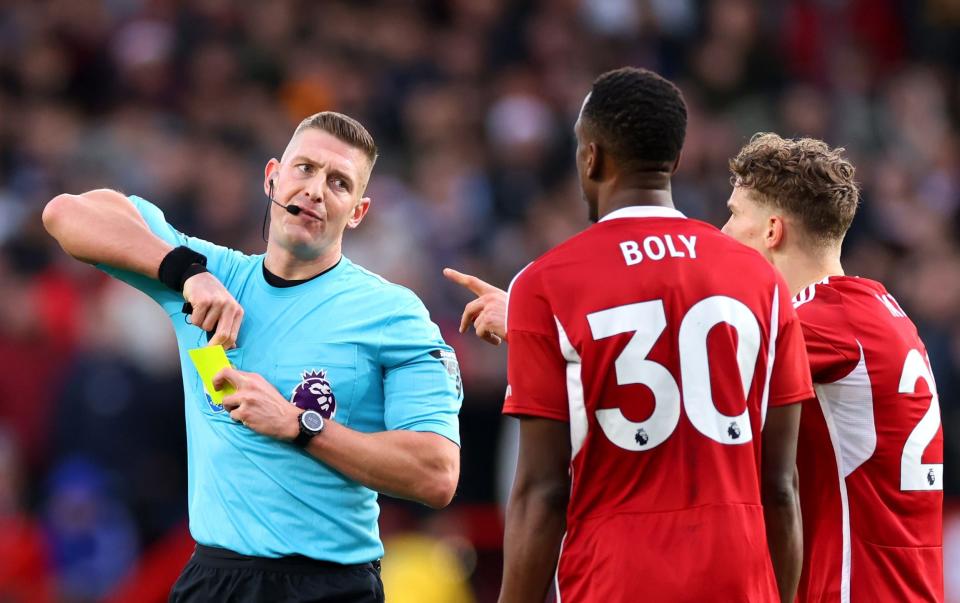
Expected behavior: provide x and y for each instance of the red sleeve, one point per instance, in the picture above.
(790, 380)
(831, 345)
(536, 369)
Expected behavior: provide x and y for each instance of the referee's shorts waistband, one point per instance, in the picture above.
(212, 556)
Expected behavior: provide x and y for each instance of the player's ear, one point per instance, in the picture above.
(359, 211)
(594, 165)
(774, 233)
(676, 164)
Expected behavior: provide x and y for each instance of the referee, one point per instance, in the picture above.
(344, 387)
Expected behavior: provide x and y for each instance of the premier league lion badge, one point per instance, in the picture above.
(314, 393)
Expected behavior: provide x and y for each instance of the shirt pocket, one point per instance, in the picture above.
(323, 377)
(207, 406)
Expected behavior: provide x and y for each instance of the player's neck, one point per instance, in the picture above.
(287, 265)
(638, 191)
(802, 270)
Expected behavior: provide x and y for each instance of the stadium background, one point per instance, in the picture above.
(472, 104)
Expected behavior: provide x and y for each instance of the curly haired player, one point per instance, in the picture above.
(870, 455)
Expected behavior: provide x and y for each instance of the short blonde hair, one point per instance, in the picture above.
(802, 176)
(343, 127)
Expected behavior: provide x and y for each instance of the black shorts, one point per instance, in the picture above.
(218, 575)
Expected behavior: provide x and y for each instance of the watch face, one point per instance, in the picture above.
(312, 420)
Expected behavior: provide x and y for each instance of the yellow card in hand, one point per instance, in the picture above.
(209, 361)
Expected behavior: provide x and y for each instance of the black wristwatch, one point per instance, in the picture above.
(311, 424)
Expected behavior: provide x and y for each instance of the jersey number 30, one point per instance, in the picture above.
(647, 321)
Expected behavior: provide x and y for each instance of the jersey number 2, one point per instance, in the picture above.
(647, 321)
(914, 474)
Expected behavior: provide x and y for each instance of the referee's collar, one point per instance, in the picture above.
(643, 211)
(319, 281)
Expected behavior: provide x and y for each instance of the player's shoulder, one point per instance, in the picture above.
(820, 306)
(816, 296)
(834, 294)
(844, 310)
(567, 248)
(532, 277)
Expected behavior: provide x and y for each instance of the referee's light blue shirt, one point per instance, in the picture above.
(370, 341)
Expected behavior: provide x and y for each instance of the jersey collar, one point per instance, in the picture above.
(643, 211)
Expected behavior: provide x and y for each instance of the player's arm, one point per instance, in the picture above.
(789, 385)
(781, 510)
(487, 313)
(418, 466)
(103, 227)
(536, 512)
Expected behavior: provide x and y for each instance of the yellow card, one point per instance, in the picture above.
(209, 361)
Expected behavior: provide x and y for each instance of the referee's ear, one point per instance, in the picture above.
(359, 211)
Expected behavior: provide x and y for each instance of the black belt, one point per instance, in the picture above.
(212, 556)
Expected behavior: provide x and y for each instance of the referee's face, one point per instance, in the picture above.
(325, 177)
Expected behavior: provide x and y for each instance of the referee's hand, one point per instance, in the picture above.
(487, 313)
(258, 405)
(214, 309)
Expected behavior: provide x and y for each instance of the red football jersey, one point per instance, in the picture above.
(662, 342)
(870, 456)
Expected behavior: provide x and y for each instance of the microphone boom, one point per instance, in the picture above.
(292, 209)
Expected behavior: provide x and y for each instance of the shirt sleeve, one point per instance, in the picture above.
(790, 379)
(421, 383)
(536, 368)
(220, 260)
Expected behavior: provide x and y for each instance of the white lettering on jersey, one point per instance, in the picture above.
(654, 242)
(673, 250)
(631, 252)
(691, 244)
(891, 305)
(657, 247)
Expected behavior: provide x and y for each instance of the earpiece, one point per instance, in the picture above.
(291, 208)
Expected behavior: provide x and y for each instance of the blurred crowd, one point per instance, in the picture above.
(472, 104)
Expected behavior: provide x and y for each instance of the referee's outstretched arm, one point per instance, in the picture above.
(103, 227)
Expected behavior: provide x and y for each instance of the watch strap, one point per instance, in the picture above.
(304, 435)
